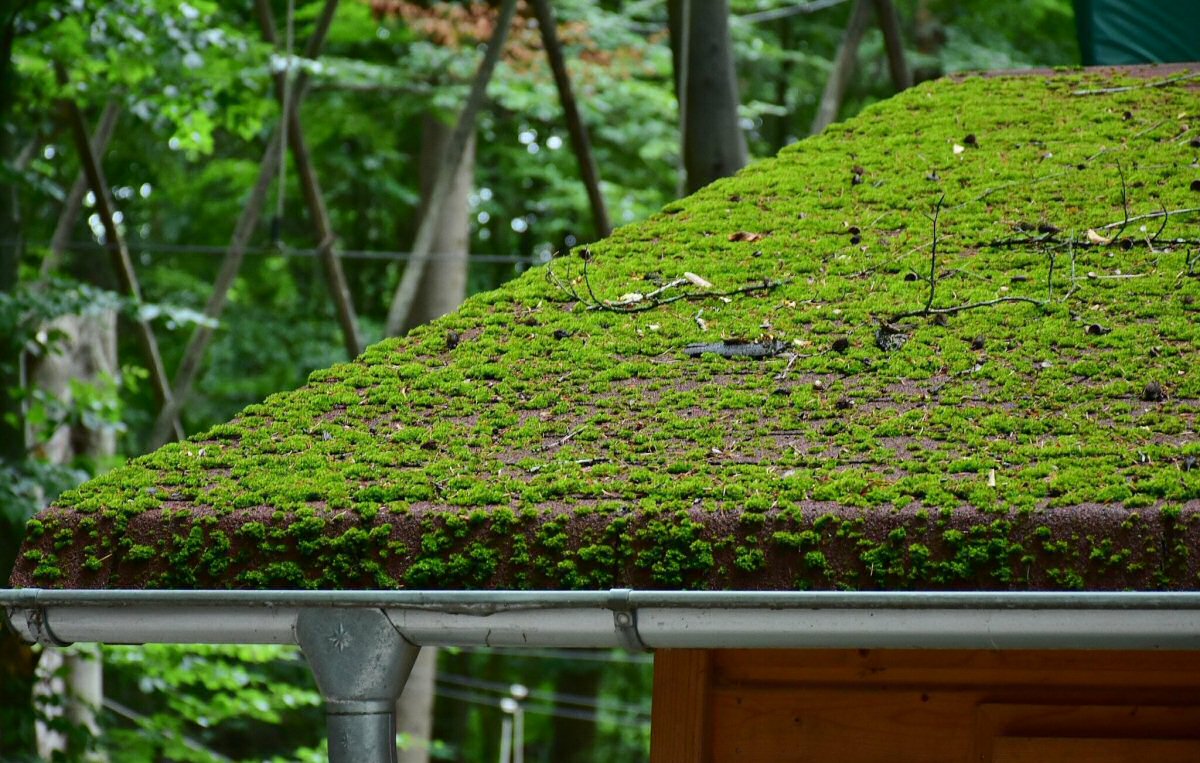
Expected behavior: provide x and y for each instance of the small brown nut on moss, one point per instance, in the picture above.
(841, 344)
(1154, 392)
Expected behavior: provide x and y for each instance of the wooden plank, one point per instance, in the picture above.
(1045, 750)
(859, 706)
(994, 722)
(931, 668)
(853, 726)
(679, 722)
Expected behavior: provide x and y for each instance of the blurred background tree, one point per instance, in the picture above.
(189, 85)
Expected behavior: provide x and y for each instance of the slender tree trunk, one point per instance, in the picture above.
(706, 86)
(414, 709)
(87, 352)
(444, 282)
(843, 67)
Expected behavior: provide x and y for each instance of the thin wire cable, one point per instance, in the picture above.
(558, 698)
(639, 721)
(271, 251)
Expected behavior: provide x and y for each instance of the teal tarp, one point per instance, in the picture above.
(1138, 31)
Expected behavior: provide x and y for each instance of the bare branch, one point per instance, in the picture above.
(970, 306)
(1128, 88)
(1124, 202)
(937, 210)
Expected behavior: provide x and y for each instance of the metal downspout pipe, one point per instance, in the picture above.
(361, 664)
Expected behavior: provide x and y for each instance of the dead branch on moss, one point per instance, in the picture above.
(1019, 183)
(929, 309)
(968, 306)
(1124, 202)
(1152, 216)
(641, 303)
(937, 210)
(1128, 88)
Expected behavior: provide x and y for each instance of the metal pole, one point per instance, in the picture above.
(519, 694)
(361, 664)
(506, 731)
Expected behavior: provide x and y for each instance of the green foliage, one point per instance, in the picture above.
(193, 83)
(207, 703)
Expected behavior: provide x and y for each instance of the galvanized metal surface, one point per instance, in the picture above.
(361, 645)
(360, 663)
(629, 619)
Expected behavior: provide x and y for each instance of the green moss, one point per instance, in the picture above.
(559, 445)
(140, 553)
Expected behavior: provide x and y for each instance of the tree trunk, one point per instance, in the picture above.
(87, 352)
(414, 709)
(843, 67)
(706, 87)
(444, 283)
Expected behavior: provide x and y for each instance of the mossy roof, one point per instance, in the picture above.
(541, 438)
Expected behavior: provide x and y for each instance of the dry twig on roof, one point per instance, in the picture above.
(929, 309)
(1128, 88)
(640, 303)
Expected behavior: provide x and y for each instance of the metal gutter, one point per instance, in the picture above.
(628, 618)
(361, 645)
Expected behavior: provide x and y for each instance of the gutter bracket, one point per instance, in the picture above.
(361, 663)
(625, 620)
(37, 629)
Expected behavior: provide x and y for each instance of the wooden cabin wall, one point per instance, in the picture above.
(875, 706)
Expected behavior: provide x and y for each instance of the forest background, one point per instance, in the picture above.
(188, 90)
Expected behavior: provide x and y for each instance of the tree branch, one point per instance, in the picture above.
(121, 261)
(406, 291)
